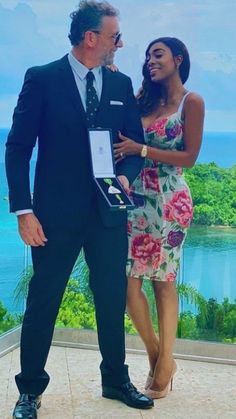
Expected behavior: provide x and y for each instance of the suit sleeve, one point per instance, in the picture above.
(132, 165)
(21, 141)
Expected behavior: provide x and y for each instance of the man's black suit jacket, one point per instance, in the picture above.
(49, 109)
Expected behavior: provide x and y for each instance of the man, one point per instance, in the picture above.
(67, 212)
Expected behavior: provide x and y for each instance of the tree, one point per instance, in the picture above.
(213, 190)
(213, 321)
(7, 321)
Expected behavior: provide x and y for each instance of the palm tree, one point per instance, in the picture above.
(187, 294)
(21, 290)
(80, 273)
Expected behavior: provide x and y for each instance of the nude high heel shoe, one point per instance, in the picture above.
(148, 381)
(156, 394)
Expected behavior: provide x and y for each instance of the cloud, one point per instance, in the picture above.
(22, 45)
(33, 32)
(217, 61)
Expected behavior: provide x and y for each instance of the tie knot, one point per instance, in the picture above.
(90, 76)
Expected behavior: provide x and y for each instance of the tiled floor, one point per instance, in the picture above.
(201, 390)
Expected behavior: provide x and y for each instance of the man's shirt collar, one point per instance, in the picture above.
(81, 70)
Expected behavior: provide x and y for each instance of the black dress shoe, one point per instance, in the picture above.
(26, 406)
(129, 395)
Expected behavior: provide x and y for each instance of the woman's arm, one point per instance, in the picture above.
(193, 113)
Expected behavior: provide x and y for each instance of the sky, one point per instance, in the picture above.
(34, 32)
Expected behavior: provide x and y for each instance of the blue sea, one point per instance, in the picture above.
(209, 254)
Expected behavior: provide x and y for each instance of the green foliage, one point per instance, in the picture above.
(212, 321)
(148, 289)
(186, 294)
(214, 194)
(190, 295)
(7, 321)
(216, 323)
(129, 327)
(80, 272)
(76, 310)
(21, 289)
(187, 326)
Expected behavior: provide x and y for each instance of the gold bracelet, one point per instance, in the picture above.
(144, 151)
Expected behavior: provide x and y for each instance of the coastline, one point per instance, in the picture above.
(209, 251)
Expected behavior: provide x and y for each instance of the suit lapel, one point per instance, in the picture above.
(71, 88)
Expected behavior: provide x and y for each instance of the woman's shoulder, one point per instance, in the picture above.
(193, 103)
(193, 98)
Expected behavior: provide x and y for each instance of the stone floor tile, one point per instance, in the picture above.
(201, 390)
(99, 408)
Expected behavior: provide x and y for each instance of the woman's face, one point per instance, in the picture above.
(161, 64)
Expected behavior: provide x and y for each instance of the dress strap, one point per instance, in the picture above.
(180, 108)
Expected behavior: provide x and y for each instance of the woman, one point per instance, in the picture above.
(172, 119)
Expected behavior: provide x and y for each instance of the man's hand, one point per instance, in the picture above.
(31, 230)
(124, 182)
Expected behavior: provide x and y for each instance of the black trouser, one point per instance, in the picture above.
(106, 253)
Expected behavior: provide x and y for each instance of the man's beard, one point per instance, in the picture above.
(108, 59)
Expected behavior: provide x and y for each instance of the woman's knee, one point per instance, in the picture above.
(163, 290)
(134, 289)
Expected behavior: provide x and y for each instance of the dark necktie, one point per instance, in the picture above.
(92, 101)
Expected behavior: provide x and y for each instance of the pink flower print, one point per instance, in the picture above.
(141, 223)
(129, 227)
(170, 277)
(156, 263)
(138, 268)
(150, 179)
(162, 258)
(179, 209)
(145, 248)
(168, 216)
(158, 127)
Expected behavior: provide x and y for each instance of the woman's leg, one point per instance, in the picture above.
(167, 308)
(138, 309)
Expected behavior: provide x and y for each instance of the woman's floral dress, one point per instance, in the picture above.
(163, 210)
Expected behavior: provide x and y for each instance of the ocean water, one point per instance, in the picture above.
(209, 254)
(208, 262)
(219, 147)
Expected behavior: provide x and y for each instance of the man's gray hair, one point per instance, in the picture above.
(87, 17)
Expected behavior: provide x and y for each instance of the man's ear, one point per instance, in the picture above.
(178, 60)
(90, 38)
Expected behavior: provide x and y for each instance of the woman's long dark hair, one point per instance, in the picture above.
(151, 92)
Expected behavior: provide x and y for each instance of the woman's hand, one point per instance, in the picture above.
(124, 182)
(126, 147)
(112, 67)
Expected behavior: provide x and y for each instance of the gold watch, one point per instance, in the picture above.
(144, 151)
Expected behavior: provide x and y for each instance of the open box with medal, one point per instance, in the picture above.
(103, 165)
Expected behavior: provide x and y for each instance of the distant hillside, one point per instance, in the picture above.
(214, 194)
